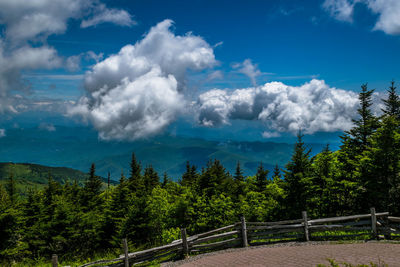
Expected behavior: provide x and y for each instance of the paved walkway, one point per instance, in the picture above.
(303, 255)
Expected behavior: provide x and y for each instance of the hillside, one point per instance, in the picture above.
(34, 175)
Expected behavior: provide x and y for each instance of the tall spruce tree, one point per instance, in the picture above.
(367, 123)
(382, 164)
(261, 178)
(11, 189)
(135, 178)
(187, 177)
(151, 179)
(354, 142)
(165, 180)
(276, 175)
(392, 103)
(238, 173)
(298, 179)
(92, 188)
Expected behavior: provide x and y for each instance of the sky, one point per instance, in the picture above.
(246, 69)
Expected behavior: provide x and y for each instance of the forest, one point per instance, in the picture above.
(80, 222)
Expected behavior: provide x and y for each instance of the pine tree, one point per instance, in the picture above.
(214, 179)
(151, 179)
(261, 178)
(322, 181)
(135, 179)
(297, 178)
(108, 180)
(276, 175)
(165, 180)
(11, 189)
(382, 164)
(366, 125)
(187, 176)
(392, 103)
(238, 173)
(92, 187)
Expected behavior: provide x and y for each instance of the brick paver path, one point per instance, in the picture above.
(306, 255)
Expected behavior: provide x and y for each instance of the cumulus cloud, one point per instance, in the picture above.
(27, 22)
(140, 90)
(387, 11)
(249, 69)
(11, 65)
(2, 133)
(311, 107)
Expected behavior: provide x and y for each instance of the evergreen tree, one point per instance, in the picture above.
(165, 180)
(151, 179)
(135, 179)
(214, 179)
(261, 178)
(276, 175)
(382, 164)
(392, 103)
(187, 177)
(238, 173)
(108, 180)
(92, 188)
(238, 182)
(11, 189)
(353, 175)
(297, 179)
(366, 125)
(323, 183)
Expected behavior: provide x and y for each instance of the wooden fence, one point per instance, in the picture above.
(243, 234)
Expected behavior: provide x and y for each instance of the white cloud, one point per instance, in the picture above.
(140, 90)
(268, 134)
(2, 133)
(311, 107)
(47, 127)
(249, 69)
(215, 75)
(26, 22)
(387, 11)
(340, 9)
(92, 55)
(103, 14)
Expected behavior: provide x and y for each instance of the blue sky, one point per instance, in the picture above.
(312, 48)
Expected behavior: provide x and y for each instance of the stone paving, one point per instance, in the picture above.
(303, 255)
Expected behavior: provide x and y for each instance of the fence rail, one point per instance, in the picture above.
(241, 234)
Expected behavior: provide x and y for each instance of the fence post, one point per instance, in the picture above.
(244, 232)
(387, 235)
(305, 223)
(373, 224)
(184, 243)
(54, 260)
(126, 260)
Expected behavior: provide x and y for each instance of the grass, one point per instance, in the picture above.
(333, 263)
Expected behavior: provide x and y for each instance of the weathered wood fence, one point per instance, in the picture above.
(242, 234)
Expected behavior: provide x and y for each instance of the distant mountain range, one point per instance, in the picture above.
(78, 147)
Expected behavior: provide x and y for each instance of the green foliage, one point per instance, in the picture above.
(333, 263)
